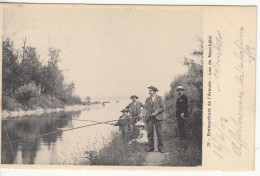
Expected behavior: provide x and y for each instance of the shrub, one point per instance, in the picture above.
(44, 101)
(27, 91)
(76, 100)
(10, 104)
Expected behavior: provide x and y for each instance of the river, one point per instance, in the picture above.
(65, 147)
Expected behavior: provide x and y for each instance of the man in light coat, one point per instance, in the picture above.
(154, 106)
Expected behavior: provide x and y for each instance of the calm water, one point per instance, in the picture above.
(66, 147)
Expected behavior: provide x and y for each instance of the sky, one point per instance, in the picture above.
(110, 50)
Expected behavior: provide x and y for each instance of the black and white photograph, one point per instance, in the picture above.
(102, 85)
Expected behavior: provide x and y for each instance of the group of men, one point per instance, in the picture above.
(151, 113)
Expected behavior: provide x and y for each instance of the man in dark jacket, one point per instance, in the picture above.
(182, 111)
(154, 107)
(124, 122)
(135, 107)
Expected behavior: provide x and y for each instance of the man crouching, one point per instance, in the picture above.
(125, 121)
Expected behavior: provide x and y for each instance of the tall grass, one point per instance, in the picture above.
(115, 152)
(180, 152)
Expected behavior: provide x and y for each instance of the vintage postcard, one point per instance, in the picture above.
(142, 87)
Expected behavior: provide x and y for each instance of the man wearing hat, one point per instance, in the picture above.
(135, 106)
(154, 106)
(142, 138)
(182, 111)
(124, 121)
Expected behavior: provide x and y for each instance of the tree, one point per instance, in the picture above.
(88, 99)
(10, 68)
(31, 67)
(26, 80)
(54, 56)
(192, 81)
(53, 79)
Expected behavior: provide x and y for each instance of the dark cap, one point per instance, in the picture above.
(134, 96)
(153, 88)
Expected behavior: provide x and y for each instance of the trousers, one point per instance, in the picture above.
(181, 127)
(150, 133)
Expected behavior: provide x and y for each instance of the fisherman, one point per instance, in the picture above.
(125, 121)
(182, 111)
(154, 106)
(135, 108)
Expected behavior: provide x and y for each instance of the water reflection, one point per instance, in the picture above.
(62, 147)
(31, 126)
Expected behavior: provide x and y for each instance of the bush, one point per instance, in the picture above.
(44, 101)
(69, 99)
(29, 97)
(76, 100)
(10, 104)
(26, 92)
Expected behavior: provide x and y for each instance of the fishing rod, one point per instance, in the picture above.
(54, 119)
(51, 118)
(19, 140)
(46, 134)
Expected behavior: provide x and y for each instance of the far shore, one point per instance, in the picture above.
(40, 111)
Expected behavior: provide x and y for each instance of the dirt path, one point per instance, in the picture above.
(155, 158)
(178, 152)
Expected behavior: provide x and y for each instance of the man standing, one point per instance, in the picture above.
(154, 106)
(135, 107)
(182, 111)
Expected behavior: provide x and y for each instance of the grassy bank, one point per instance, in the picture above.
(117, 152)
(29, 97)
(39, 111)
(11, 103)
(179, 152)
(43, 104)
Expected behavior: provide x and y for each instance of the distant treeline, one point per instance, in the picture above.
(27, 83)
(192, 81)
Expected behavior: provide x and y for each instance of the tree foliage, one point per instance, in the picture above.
(192, 81)
(26, 92)
(24, 75)
(88, 99)
(10, 68)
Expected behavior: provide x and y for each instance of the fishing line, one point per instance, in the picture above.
(106, 122)
(10, 142)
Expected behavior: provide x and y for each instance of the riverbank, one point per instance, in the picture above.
(178, 152)
(39, 111)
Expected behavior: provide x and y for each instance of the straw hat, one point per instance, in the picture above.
(179, 88)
